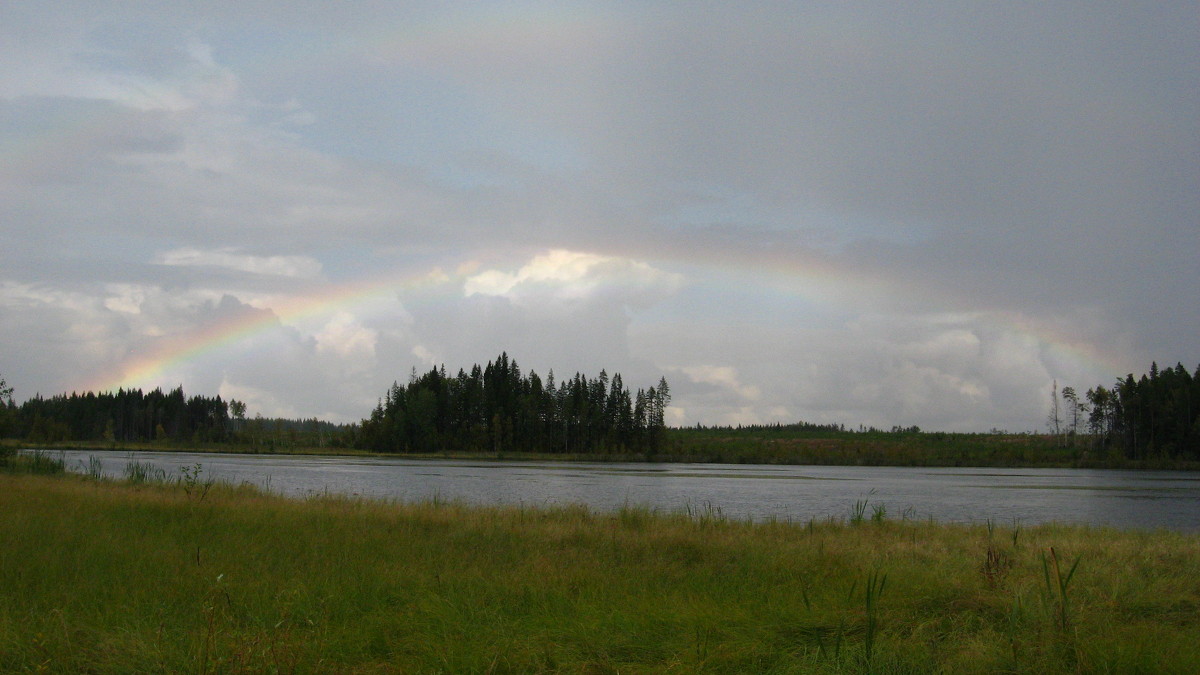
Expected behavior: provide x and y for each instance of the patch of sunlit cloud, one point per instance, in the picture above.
(564, 276)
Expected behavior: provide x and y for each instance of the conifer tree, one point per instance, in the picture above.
(498, 409)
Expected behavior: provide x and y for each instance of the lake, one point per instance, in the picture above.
(1126, 499)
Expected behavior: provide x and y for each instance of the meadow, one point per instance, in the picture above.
(176, 574)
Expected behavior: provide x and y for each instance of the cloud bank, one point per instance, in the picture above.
(878, 215)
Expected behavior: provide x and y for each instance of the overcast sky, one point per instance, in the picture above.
(865, 213)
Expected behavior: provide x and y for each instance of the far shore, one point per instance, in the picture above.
(742, 447)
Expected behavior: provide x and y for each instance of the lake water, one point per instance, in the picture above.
(1126, 499)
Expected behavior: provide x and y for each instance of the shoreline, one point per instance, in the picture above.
(802, 452)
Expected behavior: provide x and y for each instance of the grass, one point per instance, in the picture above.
(138, 473)
(34, 461)
(104, 576)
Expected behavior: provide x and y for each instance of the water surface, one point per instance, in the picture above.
(1127, 499)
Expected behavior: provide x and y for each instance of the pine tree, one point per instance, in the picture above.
(1075, 410)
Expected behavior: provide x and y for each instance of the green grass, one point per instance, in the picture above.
(35, 462)
(109, 577)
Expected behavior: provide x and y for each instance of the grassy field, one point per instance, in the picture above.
(112, 577)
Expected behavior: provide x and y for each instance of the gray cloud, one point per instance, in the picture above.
(876, 214)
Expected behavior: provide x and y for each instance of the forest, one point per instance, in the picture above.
(1154, 416)
(493, 409)
(124, 416)
(133, 416)
(497, 409)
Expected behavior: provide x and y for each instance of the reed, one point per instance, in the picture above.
(878, 513)
(93, 469)
(40, 462)
(1059, 589)
(874, 589)
(139, 473)
(858, 512)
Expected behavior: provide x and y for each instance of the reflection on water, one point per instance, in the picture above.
(1158, 499)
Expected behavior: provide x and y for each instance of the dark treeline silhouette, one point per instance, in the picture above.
(806, 429)
(134, 416)
(281, 433)
(128, 415)
(790, 427)
(496, 409)
(1154, 416)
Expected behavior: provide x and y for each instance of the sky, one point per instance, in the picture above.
(882, 214)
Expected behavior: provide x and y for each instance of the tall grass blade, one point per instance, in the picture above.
(1061, 585)
(875, 585)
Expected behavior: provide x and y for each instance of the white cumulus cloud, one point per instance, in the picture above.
(722, 376)
(346, 336)
(565, 276)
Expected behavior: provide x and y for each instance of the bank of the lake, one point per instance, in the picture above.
(1117, 498)
(789, 445)
(757, 445)
(103, 576)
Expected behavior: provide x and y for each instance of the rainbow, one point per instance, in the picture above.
(791, 277)
(443, 41)
(143, 369)
(820, 279)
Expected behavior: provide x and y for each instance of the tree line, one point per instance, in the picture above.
(1154, 416)
(127, 415)
(134, 416)
(492, 409)
(496, 408)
